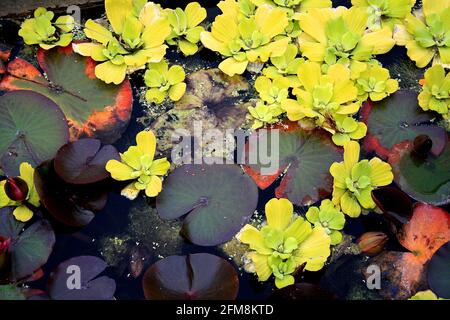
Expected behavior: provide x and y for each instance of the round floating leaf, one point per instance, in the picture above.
(84, 161)
(31, 248)
(396, 119)
(439, 272)
(219, 200)
(307, 156)
(33, 128)
(93, 108)
(90, 286)
(70, 204)
(199, 276)
(424, 179)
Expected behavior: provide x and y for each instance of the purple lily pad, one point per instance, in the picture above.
(30, 248)
(84, 161)
(91, 287)
(439, 272)
(70, 204)
(218, 200)
(199, 276)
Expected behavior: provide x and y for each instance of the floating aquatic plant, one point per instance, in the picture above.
(295, 5)
(186, 27)
(273, 92)
(385, 12)
(285, 65)
(375, 83)
(248, 39)
(340, 35)
(425, 295)
(284, 244)
(33, 129)
(214, 211)
(20, 192)
(305, 156)
(139, 32)
(263, 114)
(164, 81)
(426, 34)
(199, 276)
(138, 164)
(92, 108)
(47, 34)
(435, 94)
(354, 180)
(329, 217)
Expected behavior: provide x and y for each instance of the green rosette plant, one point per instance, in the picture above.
(375, 83)
(263, 114)
(42, 31)
(163, 81)
(328, 217)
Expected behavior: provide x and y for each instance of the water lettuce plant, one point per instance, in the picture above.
(354, 180)
(138, 164)
(186, 27)
(375, 83)
(329, 217)
(295, 5)
(329, 100)
(426, 34)
(285, 65)
(20, 192)
(47, 34)
(284, 244)
(164, 81)
(425, 295)
(262, 114)
(139, 32)
(247, 40)
(272, 91)
(340, 35)
(385, 12)
(435, 94)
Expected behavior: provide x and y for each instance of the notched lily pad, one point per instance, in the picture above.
(439, 272)
(90, 287)
(70, 204)
(396, 119)
(424, 179)
(307, 156)
(218, 200)
(30, 248)
(199, 276)
(83, 161)
(92, 107)
(33, 128)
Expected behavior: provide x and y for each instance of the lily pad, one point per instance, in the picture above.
(413, 174)
(91, 287)
(92, 107)
(397, 119)
(307, 156)
(70, 204)
(30, 248)
(395, 204)
(212, 99)
(83, 161)
(439, 272)
(218, 200)
(199, 276)
(33, 128)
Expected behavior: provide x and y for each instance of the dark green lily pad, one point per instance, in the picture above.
(219, 200)
(33, 128)
(439, 272)
(396, 119)
(426, 180)
(91, 287)
(30, 248)
(72, 205)
(307, 156)
(93, 108)
(84, 161)
(199, 276)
